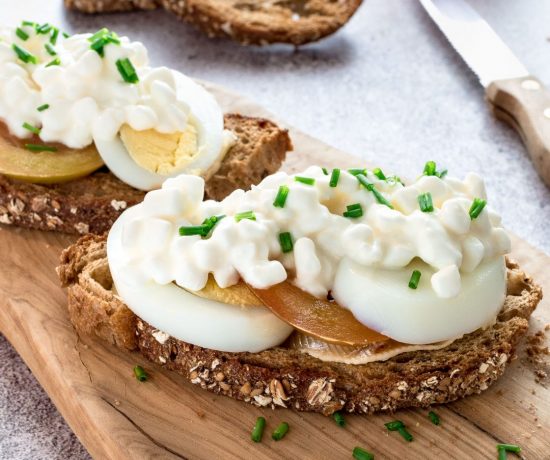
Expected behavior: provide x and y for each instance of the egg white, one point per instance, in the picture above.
(205, 115)
(190, 318)
(382, 300)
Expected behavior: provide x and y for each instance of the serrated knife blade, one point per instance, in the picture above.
(513, 94)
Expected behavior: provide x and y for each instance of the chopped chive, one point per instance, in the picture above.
(31, 128)
(442, 174)
(434, 417)
(203, 230)
(280, 431)
(394, 180)
(415, 278)
(258, 430)
(285, 240)
(127, 71)
(55, 61)
(40, 148)
(50, 49)
(356, 171)
(280, 199)
(370, 187)
(44, 28)
(362, 454)
(21, 34)
(305, 180)
(140, 373)
(102, 38)
(54, 35)
(334, 177)
(430, 168)
(28, 23)
(353, 211)
(245, 215)
(378, 173)
(509, 448)
(100, 33)
(425, 202)
(502, 455)
(477, 206)
(399, 426)
(339, 418)
(24, 55)
(405, 434)
(325, 172)
(65, 35)
(43, 107)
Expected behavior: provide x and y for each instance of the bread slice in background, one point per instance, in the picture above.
(288, 378)
(248, 22)
(92, 204)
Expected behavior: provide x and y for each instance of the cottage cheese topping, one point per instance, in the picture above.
(450, 247)
(86, 93)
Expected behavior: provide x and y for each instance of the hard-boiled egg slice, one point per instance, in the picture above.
(189, 317)
(144, 159)
(382, 300)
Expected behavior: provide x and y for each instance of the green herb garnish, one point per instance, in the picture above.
(477, 206)
(31, 128)
(54, 35)
(325, 171)
(378, 173)
(245, 215)
(334, 177)
(140, 373)
(102, 38)
(28, 23)
(356, 171)
(40, 148)
(127, 71)
(258, 430)
(339, 418)
(21, 34)
(415, 278)
(434, 417)
(43, 107)
(305, 180)
(55, 61)
(285, 240)
(370, 187)
(203, 230)
(509, 448)
(362, 454)
(354, 211)
(24, 55)
(50, 49)
(425, 202)
(280, 199)
(430, 169)
(44, 28)
(280, 431)
(399, 426)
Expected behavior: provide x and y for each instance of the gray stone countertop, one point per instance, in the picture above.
(387, 88)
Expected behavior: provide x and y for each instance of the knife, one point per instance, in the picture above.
(514, 95)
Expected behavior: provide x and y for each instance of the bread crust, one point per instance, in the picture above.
(92, 204)
(280, 377)
(248, 22)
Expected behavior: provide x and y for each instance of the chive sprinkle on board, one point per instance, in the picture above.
(339, 418)
(280, 432)
(434, 417)
(362, 454)
(140, 373)
(258, 430)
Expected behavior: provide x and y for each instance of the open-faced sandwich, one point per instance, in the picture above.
(87, 125)
(320, 291)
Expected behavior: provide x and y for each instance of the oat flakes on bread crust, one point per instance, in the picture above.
(246, 21)
(287, 378)
(91, 204)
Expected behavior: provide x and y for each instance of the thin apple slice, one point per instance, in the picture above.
(316, 317)
(64, 165)
(238, 294)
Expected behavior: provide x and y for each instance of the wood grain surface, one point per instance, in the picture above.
(115, 416)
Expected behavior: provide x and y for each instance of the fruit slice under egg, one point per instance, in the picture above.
(64, 165)
(316, 317)
(145, 159)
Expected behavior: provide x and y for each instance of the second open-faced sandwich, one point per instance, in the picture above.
(321, 291)
(87, 125)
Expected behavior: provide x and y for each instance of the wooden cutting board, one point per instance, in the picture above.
(115, 416)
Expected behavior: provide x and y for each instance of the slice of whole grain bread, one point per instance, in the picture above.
(288, 378)
(249, 22)
(91, 204)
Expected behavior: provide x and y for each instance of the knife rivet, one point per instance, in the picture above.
(532, 85)
(546, 112)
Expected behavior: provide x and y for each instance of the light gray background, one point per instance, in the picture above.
(387, 87)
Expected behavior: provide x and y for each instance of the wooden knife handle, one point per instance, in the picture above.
(524, 103)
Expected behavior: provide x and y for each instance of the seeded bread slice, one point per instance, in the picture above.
(248, 22)
(93, 203)
(287, 378)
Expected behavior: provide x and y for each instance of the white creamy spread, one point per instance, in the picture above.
(86, 93)
(460, 256)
